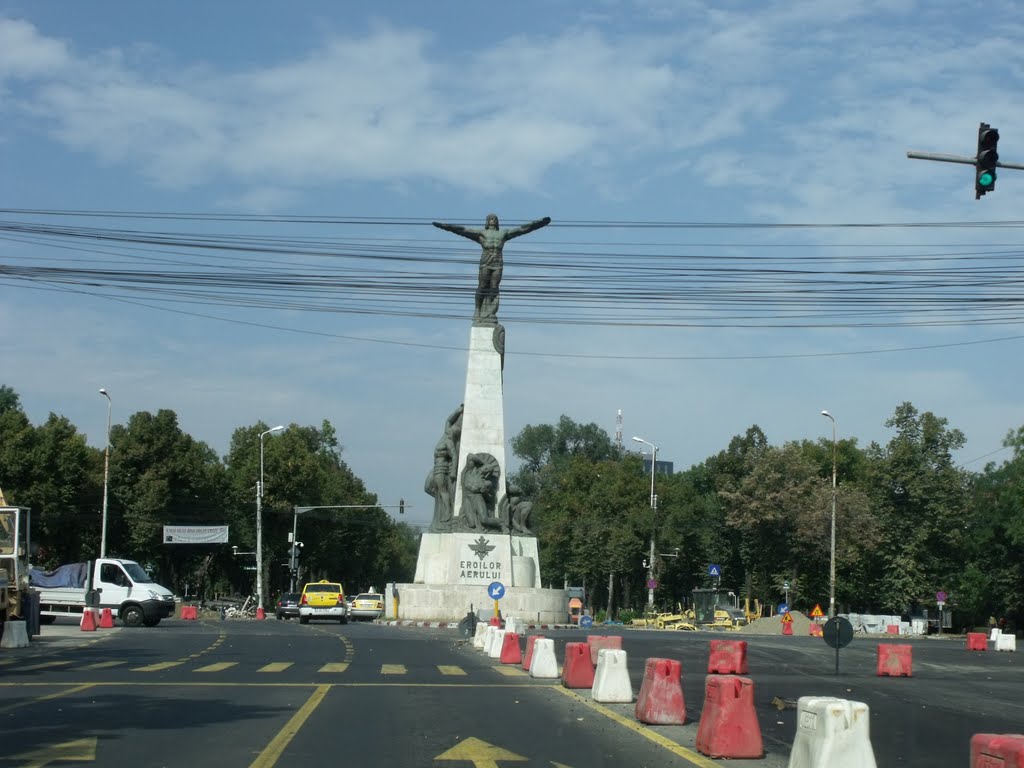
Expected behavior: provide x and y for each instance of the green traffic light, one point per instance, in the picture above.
(986, 178)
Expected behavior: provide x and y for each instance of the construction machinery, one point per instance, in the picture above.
(717, 608)
(14, 545)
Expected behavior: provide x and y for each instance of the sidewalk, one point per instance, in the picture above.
(61, 634)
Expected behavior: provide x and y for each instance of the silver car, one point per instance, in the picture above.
(367, 605)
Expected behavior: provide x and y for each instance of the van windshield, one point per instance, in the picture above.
(139, 576)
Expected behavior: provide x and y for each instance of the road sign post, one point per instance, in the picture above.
(837, 633)
(497, 591)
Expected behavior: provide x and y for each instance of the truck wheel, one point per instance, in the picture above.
(132, 616)
(344, 620)
(303, 619)
(150, 622)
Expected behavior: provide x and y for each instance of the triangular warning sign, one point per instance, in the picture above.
(786, 618)
(817, 613)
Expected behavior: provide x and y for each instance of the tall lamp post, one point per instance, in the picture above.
(259, 524)
(832, 564)
(106, 478)
(654, 509)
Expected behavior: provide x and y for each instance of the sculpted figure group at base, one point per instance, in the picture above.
(440, 482)
(492, 241)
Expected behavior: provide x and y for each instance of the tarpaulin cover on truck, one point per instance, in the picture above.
(71, 575)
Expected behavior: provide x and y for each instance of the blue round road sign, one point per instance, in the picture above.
(586, 621)
(496, 590)
(783, 608)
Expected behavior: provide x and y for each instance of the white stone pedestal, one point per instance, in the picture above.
(483, 414)
(478, 559)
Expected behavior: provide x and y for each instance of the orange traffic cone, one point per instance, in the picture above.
(260, 613)
(106, 619)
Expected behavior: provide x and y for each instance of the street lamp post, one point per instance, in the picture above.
(654, 510)
(832, 564)
(259, 524)
(106, 477)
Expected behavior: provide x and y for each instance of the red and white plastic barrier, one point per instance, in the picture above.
(831, 733)
(895, 660)
(544, 665)
(728, 657)
(661, 701)
(611, 679)
(728, 723)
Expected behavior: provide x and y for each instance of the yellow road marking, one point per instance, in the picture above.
(158, 666)
(78, 751)
(479, 753)
(446, 670)
(238, 684)
(48, 697)
(677, 749)
(510, 671)
(103, 665)
(269, 756)
(334, 666)
(45, 665)
(277, 666)
(220, 666)
(392, 669)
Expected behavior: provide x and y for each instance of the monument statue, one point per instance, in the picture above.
(479, 492)
(515, 512)
(440, 482)
(492, 240)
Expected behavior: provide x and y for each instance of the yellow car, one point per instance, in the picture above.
(367, 605)
(323, 600)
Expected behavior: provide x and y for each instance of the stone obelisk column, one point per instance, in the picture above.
(483, 415)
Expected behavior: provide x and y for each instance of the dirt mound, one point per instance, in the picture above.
(772, 625)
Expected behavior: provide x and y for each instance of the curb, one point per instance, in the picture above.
(455, 624)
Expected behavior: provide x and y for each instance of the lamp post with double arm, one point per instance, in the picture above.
(106, 478)
(654, 509)
(832, 564)
(259, 524)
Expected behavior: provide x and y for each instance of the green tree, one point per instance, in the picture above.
(992, 580)
(920, 499)
(546, 446)
(160, 476)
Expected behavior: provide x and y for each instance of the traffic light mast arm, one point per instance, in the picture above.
(959, 159)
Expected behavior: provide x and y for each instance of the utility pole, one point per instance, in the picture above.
(985, 160)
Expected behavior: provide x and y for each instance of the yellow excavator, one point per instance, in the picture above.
(14, 527)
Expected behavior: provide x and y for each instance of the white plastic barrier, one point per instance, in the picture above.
(488, 639)
(15, 635)
(994, 635)
(1006, 642)
(831, 733)
(497, 640)
(544, 665)
(611, 678)
(478, 636)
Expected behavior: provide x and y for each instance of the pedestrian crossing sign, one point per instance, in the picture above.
(817, 613)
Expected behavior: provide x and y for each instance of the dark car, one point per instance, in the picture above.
(287, 605)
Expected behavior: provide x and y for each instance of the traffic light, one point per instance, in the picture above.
(986, 160)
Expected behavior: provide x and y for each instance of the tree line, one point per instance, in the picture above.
(160, 475)
(910, 523)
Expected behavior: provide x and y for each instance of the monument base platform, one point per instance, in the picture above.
(477, 559)
(441, 602)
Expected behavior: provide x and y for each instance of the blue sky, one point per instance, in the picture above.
(751, 114)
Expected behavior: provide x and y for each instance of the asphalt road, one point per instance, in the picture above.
(247, 693)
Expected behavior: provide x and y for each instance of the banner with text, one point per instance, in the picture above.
(195, 534)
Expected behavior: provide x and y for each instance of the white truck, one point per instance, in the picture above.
(123, 586)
